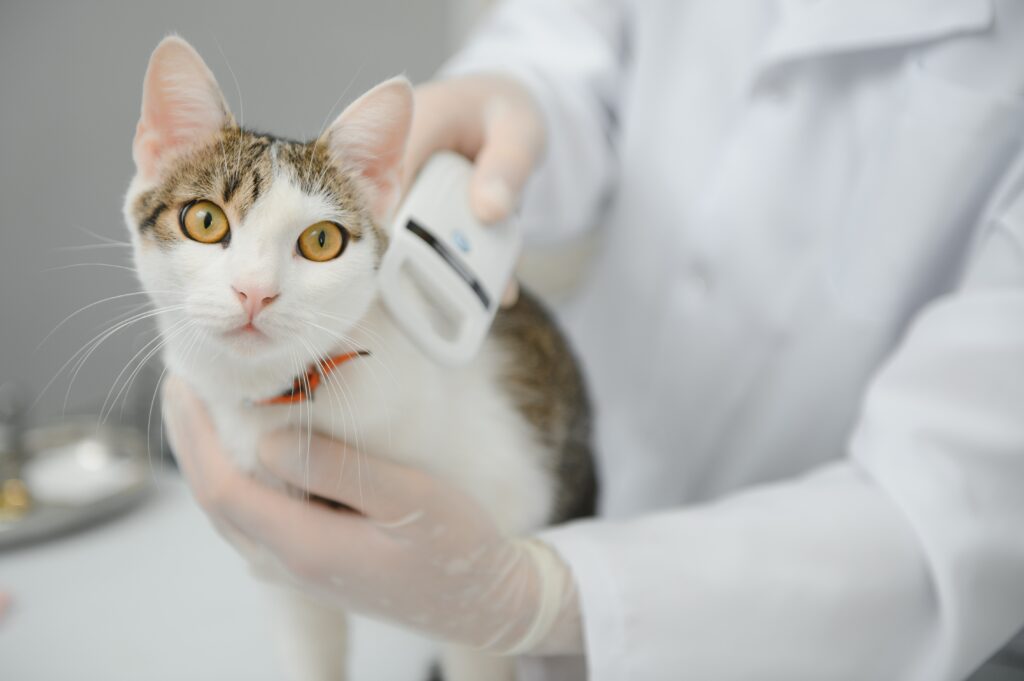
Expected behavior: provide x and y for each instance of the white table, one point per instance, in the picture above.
(157, 595)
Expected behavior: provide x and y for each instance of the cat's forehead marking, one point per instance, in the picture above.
(287, 209)
(236, 171)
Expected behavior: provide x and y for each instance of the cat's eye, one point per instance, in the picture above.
(323, 241)
(205, 222)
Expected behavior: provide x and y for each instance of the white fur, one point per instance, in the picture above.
(458, 424)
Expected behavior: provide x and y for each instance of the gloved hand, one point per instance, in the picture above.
(490, 119)
(413, 549)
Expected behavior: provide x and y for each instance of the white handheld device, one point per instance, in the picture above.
(444, 273)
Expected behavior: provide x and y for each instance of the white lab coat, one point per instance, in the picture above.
(804, 330)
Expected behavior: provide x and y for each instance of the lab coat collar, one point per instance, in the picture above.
(812, 28)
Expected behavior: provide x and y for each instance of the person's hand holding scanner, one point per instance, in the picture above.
(411, 549)
(491, 120)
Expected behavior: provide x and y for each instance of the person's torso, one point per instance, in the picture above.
(796, 181)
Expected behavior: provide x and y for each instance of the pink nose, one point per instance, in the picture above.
(254, 299)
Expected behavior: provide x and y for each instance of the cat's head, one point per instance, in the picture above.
(260, 245)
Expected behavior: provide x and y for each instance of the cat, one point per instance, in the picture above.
(261, 254)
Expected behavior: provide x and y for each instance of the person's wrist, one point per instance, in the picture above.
(554, 626)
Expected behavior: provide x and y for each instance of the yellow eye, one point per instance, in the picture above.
(323, 241)
(205, 222)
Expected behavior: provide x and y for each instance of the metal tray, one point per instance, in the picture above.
(90, 447)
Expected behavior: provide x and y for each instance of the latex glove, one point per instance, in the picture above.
(490, 119)
(413, 549)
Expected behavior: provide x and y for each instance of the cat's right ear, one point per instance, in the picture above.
(182, 107)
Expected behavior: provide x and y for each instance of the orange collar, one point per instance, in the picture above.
(304, 386)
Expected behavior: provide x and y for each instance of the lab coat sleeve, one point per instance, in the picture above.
(902, 561)
(569, 54)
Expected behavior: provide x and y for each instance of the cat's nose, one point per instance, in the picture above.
(254, 298)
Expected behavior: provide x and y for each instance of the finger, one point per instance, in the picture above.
(510, 151)
(442, 120)
(185, 424)
(304, 537)
(383, 490)
(195, 443)
(511, 295)
(294, 530)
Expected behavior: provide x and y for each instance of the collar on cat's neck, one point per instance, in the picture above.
(304, 386)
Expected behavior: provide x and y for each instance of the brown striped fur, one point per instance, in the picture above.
(548, 389)
(234, 171)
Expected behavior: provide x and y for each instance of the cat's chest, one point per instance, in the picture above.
(461, 427)
(347, 405)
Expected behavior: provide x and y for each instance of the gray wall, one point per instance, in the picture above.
(70, 83)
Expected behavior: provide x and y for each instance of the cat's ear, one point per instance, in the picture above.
(182, 106)
(368, 140)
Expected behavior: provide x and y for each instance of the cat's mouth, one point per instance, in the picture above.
(247, 333)
(246, 329)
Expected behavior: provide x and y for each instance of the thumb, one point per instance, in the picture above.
(192, 436)
(178, 405)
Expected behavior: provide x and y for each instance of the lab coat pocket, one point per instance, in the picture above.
(917, 201)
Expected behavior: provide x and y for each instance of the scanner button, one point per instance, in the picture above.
(460, 240)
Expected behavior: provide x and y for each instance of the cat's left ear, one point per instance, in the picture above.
(182, 107)
(368, 140)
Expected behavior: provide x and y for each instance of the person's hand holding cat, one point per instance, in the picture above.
(490, 119)
(412, 549)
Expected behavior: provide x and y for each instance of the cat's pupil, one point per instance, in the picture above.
(322, 239)
(207, 219)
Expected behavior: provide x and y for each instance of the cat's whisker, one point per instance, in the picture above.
(335, 384)
(82, 355)
(92, 247)
(149, 416)
(158, 341)
(317, 358)
(98, 236)
(71, 359)
(90, 306)
(220, 138)
(330, 112)
(344, 405)
(370, 360)
(91, 264)
(357, 444)
(135, 365)
(300, 373)
(356, 324)
(338, 381)
(199, 331)
(309, 427)
(238, 90)
(130, 311)
(161, 341)
(340, 404)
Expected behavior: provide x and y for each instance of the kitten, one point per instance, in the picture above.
(262, 254)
